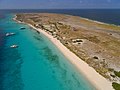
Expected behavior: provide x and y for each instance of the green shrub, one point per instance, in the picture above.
(117, 73)
(116, 86)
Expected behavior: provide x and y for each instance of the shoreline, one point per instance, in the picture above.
(90, 74)
(99, 22)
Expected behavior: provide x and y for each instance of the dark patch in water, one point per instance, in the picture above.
(2, 16)
(59, 67)
(38, 38)
(2, 37)
(10, 64)
(50, 56)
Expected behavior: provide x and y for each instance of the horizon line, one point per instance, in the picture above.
(52, 8)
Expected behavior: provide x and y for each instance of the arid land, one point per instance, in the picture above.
(96, 43)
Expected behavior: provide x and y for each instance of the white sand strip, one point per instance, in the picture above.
(95, 78)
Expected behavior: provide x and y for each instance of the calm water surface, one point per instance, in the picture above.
(36, 64)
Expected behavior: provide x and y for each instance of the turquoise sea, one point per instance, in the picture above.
(36, 64)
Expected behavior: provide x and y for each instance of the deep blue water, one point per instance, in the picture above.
(36, 64)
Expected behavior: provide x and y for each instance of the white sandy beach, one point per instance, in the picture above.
(95, 78)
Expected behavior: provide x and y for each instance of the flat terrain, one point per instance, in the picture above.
(96, 43)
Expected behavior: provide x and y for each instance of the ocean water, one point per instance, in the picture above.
(36, 64)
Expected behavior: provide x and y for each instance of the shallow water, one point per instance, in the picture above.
(36, 64)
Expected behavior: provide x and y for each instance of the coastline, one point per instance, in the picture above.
(95, 78)
(99, 22)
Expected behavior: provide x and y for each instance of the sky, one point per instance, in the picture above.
(58, 4)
